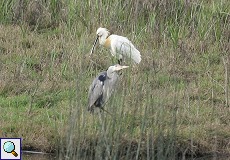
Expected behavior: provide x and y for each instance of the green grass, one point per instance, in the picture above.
(171, 105)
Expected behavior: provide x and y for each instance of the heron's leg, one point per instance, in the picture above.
(91, 109)
(99, 113)
(102, 109)
(103, 130)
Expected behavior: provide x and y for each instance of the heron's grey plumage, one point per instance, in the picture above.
(95, 91)
(103, 86)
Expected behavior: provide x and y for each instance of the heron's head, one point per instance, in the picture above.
(116, 67)
(102, 34)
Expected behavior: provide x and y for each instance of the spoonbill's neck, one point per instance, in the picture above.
(103, 39)
(107, 42)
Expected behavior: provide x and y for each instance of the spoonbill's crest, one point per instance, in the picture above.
(120, 46)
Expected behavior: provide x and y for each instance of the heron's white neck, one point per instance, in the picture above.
(110, 72)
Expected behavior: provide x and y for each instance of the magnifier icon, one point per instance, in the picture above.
(9, 147)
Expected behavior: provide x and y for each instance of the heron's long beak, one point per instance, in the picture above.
(119, 67)
(94, 44)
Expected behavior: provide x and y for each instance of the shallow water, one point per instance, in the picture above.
(37, 156)
(212, 158)
(32, 156)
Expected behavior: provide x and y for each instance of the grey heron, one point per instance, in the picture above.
(103, 86)
(120, 46)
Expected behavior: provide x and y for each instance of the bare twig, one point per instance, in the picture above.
(226, 63)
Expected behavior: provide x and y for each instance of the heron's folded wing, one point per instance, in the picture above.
(95, 91)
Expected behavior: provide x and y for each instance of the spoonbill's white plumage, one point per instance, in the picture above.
(120, 46)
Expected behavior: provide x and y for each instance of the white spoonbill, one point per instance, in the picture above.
(120, 46)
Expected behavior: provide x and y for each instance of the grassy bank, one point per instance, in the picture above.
(174, 104)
